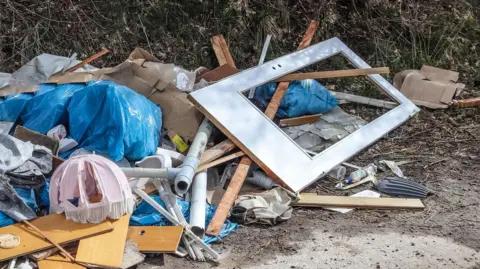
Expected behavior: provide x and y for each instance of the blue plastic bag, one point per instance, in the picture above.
(303, 97)
(109, 118)
(13, 105)
(48, 108)
(146, 215)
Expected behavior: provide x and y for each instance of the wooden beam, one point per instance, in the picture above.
(88, 60)
(216, 151)
(221, 51)
(240, 174)
(308, 200)
(363, 100)
(220, 161)
(467, 102)
(335, 74)
(299, 120)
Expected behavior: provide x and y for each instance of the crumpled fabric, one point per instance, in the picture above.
(13, 152)
(269, 207)
(146, 215)
(11, 204)
(32, 172)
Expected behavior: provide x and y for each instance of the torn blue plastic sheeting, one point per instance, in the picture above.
(303, 97)
(48, 108)
(13, 105)
(146, 215)
(109, 118)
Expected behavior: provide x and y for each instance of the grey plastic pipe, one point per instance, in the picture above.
(169, 173)
(198, 203)
(184, 178)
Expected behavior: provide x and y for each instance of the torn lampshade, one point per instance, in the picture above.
(90, 188)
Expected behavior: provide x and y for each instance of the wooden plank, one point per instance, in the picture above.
(299, 120)
(335, 74)
(467, 102)
(221, 51)
(229, 197)
(240, 174)
(105, 249)
(56, 227)
(88, 60)
(309, 200)
(220, 161)
(155, 239)
(216, 151)
(58, 262)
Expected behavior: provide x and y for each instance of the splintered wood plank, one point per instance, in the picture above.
(56, 227)
(240, 174)
(155, 239)
(335, 74)
(58, 262)
(105, 249)
(308, 200)
(216, 151)
(221, 51)
(299, 120)
(220, 161)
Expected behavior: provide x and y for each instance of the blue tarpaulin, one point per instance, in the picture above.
(109, 118)
(146, 215)
(303, 97)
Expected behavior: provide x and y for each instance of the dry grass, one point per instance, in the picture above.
(399, 34)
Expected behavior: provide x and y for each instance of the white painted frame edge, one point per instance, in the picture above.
(264, 142)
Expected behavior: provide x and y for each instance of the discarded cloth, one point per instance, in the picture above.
(302, 97)
(109, 118)
(146, 215)
(90, 188)
(268, 207)
(48, 108)
(32, 172)
(329, 129)
(13, 152)
(12, 106)
(11, 204)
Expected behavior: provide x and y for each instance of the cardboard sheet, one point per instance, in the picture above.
(430, 87)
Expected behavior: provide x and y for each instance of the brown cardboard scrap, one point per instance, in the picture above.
(141, 72)
(179, 114)
(430, 87)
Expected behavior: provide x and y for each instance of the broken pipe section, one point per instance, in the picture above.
(190, 163)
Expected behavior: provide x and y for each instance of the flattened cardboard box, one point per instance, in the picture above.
(157, 81)
(430, 87)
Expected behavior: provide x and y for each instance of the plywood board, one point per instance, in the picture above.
(155, 239)
(309, 200)
(105, 249)
(58, 262)
(55, 226)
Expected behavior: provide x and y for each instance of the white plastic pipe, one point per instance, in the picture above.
(184, 178)
(169, 173)
(198, 203)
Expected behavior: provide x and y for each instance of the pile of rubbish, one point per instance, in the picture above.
(101, 167)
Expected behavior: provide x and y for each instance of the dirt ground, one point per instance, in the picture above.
(445, 153)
